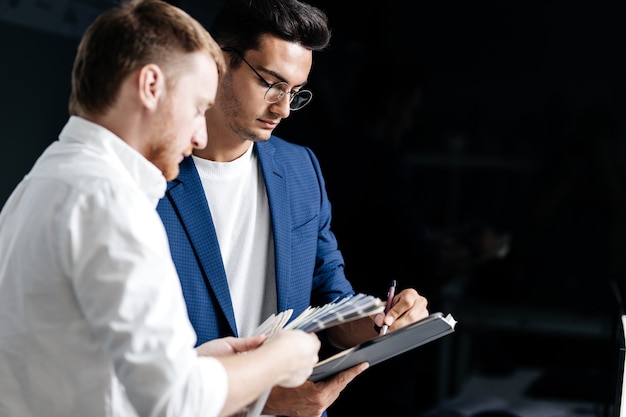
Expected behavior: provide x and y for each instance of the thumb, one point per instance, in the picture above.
(244, 344)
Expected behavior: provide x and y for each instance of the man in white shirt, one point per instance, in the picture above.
(92, 317)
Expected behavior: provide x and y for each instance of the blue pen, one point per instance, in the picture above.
(390, 294)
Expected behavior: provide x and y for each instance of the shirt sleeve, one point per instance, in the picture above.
(128, 290)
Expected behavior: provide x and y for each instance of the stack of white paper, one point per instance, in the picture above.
(344, 310)
(314, 319)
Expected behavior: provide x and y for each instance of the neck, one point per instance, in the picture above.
(223, 152)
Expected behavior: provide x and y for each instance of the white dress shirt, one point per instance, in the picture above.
(92, 318)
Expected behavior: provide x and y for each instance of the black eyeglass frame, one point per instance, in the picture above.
(292, 94)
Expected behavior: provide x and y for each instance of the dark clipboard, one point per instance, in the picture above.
(381, 348)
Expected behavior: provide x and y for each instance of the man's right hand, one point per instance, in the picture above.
(302, 349)
(310, 399)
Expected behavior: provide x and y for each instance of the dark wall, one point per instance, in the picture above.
(35, 78)
(516, 122)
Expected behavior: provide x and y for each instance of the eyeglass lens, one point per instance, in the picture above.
(296, 101)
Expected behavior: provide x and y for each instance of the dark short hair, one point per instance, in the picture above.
(239, 24)
(124, 39)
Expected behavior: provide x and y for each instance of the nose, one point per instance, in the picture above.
(200, 137)
(281, 107)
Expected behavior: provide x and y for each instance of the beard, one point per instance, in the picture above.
(162, 149)
(162, 155)
(234, 111)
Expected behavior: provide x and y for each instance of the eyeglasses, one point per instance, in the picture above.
(277, 91)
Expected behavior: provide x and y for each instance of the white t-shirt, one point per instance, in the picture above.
(238, 201)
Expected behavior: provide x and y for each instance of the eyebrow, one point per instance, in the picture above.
(278, 76)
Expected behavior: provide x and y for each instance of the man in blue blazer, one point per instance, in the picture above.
(309, 266)
(248, 218)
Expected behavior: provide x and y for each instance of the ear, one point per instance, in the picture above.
(151, 85)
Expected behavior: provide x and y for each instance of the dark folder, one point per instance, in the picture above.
(384, 347)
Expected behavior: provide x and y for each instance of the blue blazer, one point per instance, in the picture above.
(309, 266)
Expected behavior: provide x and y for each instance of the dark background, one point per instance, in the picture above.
(499, 114)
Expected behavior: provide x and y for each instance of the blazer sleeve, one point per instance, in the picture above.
(329, 279)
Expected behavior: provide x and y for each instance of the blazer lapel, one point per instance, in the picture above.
(280, 211)
(188, 199)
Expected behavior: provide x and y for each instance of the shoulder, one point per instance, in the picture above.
(281, 144)
(286, 151)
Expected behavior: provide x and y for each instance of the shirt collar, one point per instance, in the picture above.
(148, 177)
